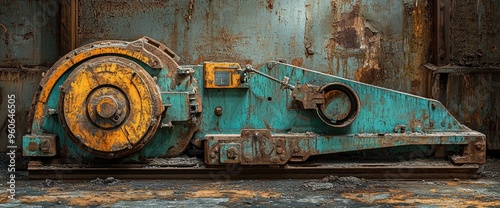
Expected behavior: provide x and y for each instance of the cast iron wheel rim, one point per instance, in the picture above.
(149, 126)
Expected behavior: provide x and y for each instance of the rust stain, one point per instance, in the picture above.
(28, 35)
(226, 43)
(400, 197)
(190, 12)
(92, 198)
(416, 31)
(348, 38)
(351, 28)
(200, 59)
(110, 196)
(225, 37)
(109, 9)
(270, 4)
(350, 32)
(233, 194)
(298, 62)
(415, 84)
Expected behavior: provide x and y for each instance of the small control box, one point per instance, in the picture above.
(222, 75)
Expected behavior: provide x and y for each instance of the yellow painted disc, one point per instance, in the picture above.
(110, 106)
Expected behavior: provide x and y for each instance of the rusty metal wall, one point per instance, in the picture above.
(469, 84)
(379, 42)
(474, 30)
(384, 42)
(474, 100)
(29, 32)
(23, 85)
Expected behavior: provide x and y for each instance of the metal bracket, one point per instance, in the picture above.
(177, 106)
(185, 71)
(257, 147)
(474, 152)
(39, 145)
(309, 96)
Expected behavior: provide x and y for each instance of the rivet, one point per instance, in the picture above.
(232, 152)
(280, 142)
(218, 111)
(397, 128)
(282, 157)
(32, 146)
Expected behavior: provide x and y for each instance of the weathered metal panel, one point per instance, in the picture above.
(474, 33)
(28, 32)
(468, 85)
(378, 42)
(474, 100)
(22, 83)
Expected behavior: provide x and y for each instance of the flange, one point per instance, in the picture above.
(341, 106)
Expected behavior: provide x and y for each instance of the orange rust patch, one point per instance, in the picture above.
(92, 198)
(398, 197)
(232, 194)
(297, 62)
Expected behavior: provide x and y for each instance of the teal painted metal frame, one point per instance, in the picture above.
(383, 113)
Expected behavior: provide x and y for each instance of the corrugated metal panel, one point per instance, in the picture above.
(474, 34)
(22, 83)
(469, 84)
(28, 32)
(473, 99)
(378, 42)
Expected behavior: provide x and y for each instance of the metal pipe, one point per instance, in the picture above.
(283, 83)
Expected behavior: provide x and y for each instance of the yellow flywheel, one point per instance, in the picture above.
(110, 106)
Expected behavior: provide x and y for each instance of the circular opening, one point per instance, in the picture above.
(345, 99)
(269, 98)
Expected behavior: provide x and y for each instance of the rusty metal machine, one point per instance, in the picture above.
(119, 101)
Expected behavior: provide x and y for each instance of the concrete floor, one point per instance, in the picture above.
(328, 192)
(256, 193)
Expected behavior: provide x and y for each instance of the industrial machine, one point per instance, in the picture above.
(125, 102)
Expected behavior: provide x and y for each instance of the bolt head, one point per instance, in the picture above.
(282, 157)
(232, 152)
(32, 146)
(479, 146)
(218, 111)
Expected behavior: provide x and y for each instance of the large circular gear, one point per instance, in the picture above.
(110, 106)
